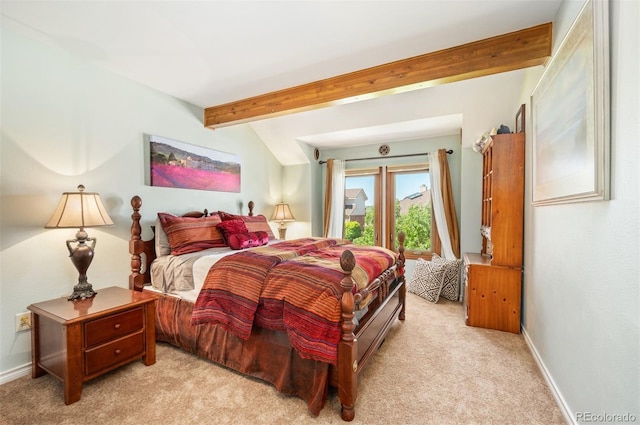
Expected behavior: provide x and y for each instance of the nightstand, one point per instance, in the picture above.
(76, 341)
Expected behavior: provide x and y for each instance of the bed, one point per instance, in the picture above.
(302, 350)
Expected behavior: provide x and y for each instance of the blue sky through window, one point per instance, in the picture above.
(406, 184)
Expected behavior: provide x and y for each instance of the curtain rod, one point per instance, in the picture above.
(450, 151)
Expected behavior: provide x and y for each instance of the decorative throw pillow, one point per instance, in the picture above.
(427, 280)
(188, 234)
(247, 240)
(255, 223)
(231, 227)
(451, 278)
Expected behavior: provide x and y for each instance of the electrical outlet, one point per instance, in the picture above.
(23, 321)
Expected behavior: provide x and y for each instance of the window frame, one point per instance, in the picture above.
(384, 206)
(390, 199)
(376, 172)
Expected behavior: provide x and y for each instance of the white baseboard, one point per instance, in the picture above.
(564, 409)
(15, 373)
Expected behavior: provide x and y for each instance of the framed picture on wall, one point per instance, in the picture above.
(181, 165)
(570, 115)
(520, 119)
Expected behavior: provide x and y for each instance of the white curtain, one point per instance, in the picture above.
(438, 206)
(336, 209)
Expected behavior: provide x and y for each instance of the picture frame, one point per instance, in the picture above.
(520, 119)
(570, 115)
(181, 165)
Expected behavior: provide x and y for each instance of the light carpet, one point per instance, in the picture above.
(432, 369)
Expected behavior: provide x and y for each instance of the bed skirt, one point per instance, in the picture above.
(266, 355)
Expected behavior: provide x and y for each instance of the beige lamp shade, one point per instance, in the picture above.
(79, 209)
(282, 213)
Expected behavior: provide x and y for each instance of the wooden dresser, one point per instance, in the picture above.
(493, 277)
(76, 341)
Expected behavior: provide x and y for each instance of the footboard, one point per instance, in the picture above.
(357, 347)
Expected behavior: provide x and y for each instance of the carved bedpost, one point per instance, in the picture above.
(250, 205)
(136, 280)
(347, 349)
(401, 260)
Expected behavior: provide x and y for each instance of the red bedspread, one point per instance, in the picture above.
(292, 286)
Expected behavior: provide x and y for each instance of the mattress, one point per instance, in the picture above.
(184, 274)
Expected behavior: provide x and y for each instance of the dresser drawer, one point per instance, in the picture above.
(112, 327)
(121, 350)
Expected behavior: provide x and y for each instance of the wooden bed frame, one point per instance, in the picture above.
(356, 346)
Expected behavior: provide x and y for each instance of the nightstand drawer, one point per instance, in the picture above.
(113, 353)
(112, 327)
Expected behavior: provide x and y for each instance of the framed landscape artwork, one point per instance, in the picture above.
(180, 165)
(570, 115)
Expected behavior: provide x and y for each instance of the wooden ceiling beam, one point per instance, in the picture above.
(507, 52)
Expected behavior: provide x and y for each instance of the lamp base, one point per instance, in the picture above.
(81, 257)
(81, 291)
(282, 232)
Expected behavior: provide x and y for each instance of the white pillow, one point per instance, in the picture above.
(161, 240)
(427, 280)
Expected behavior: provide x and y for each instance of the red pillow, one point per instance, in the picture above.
(231, 227)
(247, 240)
(188, 234)
(255, 223)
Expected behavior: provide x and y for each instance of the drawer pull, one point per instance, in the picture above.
(117, 325)
(117, 351)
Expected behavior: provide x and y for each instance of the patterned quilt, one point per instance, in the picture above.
(293, 286)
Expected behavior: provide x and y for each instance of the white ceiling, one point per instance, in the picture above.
(214, 52)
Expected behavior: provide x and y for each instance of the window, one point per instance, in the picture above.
(362, 215)
(402, 195)
(408, 199)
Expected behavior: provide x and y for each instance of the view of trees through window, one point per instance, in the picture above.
(359, 210)
(411, 206)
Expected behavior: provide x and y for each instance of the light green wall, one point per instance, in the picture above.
(581, 283)
(66, 122)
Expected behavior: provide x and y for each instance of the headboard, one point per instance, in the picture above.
(142, 250)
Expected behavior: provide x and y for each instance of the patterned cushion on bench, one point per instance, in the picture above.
(451, 278)
(427, 280)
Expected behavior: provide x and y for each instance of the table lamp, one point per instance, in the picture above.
(80, 209)
(282, 213)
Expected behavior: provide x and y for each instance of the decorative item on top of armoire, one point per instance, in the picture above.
(282, 213)
(79, 210)
(493, 277)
